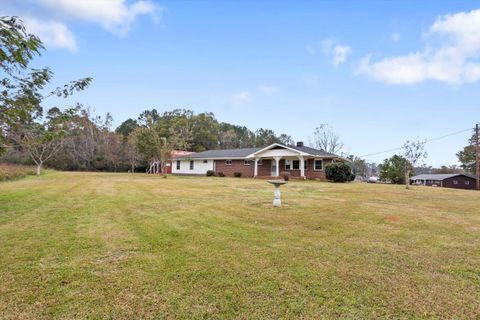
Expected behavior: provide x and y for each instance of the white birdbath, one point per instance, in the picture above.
(277, 202)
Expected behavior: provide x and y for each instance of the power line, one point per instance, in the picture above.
(426, 141)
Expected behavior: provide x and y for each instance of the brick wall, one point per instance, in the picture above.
(236, 166)
(310, 173)
(264, 169)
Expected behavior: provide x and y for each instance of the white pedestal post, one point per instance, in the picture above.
(277, 202)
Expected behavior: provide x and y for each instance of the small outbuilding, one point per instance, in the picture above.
(448, 180)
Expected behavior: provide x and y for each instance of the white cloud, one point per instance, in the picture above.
(450, 54)
(114, 15)
(52, 33)
(395, 36)
(340, 54)
(268, 90)
(241, 98)
(337, 52)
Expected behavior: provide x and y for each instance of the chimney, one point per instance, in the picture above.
(299, 143)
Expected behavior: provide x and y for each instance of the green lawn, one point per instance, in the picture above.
(99, 245)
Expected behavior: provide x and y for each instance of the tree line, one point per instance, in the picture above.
(76, 139)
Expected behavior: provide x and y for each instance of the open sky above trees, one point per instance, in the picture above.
(285, 66)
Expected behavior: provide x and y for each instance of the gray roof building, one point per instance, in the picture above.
(245, 152)
(446, 180)
(439, 176)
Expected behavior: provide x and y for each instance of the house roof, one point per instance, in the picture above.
(314, 152)
(223, 153)
(245, 152)
(439, 176)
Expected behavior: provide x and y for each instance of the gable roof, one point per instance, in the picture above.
(439, 176)
(275, 145)
(243, 153)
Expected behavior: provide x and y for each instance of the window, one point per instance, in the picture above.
(178, 164)
(455, 181)
(318, 165)
(288, 164)
(228, 162)
(191, 164)
(260, 162)
(246, 162)
(294, 164)
(205, 161)
(467, 182)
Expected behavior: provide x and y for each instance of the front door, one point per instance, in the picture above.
(273, 171)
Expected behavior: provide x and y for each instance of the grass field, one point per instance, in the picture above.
(98, 245)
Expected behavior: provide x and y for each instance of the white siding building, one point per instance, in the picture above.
(192, 167)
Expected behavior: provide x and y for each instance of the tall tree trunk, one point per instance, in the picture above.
(39, 168)
(133, 168)
(407, 179)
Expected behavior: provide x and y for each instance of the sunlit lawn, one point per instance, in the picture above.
(98, 245)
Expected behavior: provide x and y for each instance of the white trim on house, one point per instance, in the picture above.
(297, 152)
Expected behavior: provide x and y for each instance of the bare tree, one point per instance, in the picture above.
(131, 151)
(43, 139)
(414, 152)
(324, 138)
(39, 144)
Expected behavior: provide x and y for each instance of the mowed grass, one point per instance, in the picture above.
(99, 245)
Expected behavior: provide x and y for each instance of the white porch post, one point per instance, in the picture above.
(277, 167)
(302, 166)
(255, 169)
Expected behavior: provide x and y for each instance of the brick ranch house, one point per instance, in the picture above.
(447, 180)
(300, 161)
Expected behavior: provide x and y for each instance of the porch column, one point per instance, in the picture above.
(277, 167)
(302, 166)
(255, 168)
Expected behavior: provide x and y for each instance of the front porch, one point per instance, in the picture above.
(297, 167)
(273, 160)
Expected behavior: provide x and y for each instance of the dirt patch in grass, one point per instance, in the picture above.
(392, 218)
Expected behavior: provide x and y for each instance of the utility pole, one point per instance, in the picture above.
(477, 154)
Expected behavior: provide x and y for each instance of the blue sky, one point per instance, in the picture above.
(379, 72)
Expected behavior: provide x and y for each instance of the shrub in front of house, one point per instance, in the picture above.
(285, 175)
(339, 172)
(210, 173)
(221, 174)
(237, 174)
